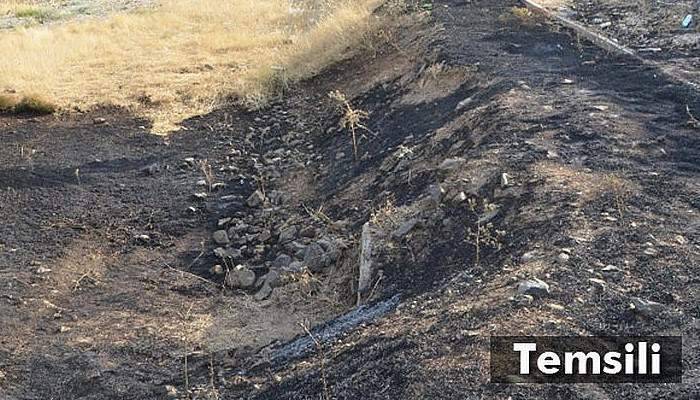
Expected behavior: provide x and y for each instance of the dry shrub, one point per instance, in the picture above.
(186, 57)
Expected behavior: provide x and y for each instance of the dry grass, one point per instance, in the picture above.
(28, 104)
(184, 58)
(13, 6)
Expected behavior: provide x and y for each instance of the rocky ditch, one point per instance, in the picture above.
(263, 237)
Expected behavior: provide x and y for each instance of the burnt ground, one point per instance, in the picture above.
(600, 201)
(652, 28)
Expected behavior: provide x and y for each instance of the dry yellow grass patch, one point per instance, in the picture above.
(589, 185)
(183, 58)
(11, 6)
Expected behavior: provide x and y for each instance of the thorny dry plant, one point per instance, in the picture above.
(205, 167)
(483, 234)
(385, 214)
(620, 192)
(351, 119)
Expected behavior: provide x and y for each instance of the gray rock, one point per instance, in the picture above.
(563, 258)
(273, 278)
(223, 221)
(221, 252)
(233, 254)
(487, 216)
(288, 234)
(308, 232)
(294, 267)
(529, 256)
(150, 170)
(436, 193)
(452, 164)
(460, 198)
(612, 271)
(331, 247)
(296, 249)
(256, 199)
(240, 277)
(264, 292)
(405, 228)
(221, 237)
(647, 308)
(264, 236)
(315, 257)
(276, 197)
(282, 261)
(534, 287)
(504, 180)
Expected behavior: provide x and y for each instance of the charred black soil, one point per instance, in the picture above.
(571, 165)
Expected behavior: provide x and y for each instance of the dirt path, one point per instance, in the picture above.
(599, 200)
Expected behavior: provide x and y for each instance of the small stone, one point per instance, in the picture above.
(142, 238)
(150, 170)
(288, 234)
(308, 232)
(315, 258)
(405, 228)
(282, 261)
(171, 391)
(226, 254)
(221, 237)
(276, 197)
(523, 299)
(650, 251)
(529, 256)
(217, 270)
(99, 121)
(330, 247)
(461, 197)
(189, 161)
(452, 164)
(294, 267)
(264, 236)
(223, 221)
(647, 308)
(436, 193)
(563, 258)
(272, 278)
(504, 180)
(534, 287)
(256, 199)
(43, 270)
(556, 307)
(264, 292)
(240, 277)
(611, 270)
(598, 283)
(200, 195)
(680, 239)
